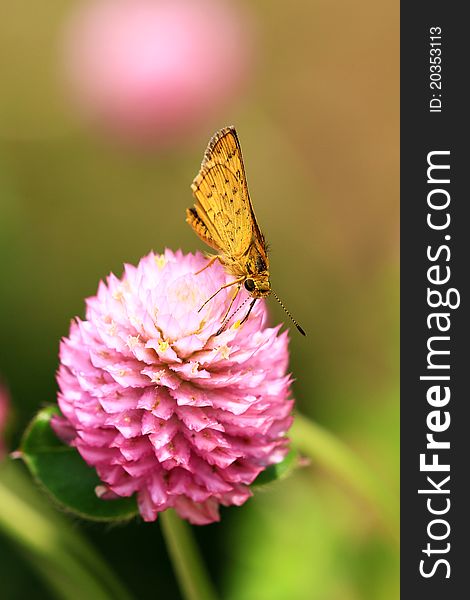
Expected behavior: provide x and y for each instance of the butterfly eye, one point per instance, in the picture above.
(250, 285)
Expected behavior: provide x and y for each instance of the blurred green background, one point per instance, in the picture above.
(319, 127)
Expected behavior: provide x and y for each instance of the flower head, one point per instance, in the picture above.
(163, 407)
(147, 71)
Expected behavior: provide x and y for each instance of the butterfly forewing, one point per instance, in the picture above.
(222, 201)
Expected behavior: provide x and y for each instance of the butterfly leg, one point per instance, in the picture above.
(248, 311)
(231, 302)
(211, 262)
(239, 280)
(225, 322)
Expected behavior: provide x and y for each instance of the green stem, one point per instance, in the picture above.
(62, 557)
(189, 569)
(334, 456)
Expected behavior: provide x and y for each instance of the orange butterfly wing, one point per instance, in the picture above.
(223, 215)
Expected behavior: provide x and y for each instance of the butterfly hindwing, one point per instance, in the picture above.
(199, 226)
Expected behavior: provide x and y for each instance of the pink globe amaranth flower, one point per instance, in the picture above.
(163, 407)
(149, 70)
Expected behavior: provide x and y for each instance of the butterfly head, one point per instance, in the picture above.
(258, 286)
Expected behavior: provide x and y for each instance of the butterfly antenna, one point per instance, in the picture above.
(299, 328)
(224, 324)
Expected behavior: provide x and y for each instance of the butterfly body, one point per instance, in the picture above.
(255, 267)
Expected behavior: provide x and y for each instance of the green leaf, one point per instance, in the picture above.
(279, 471)
(65, 475)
